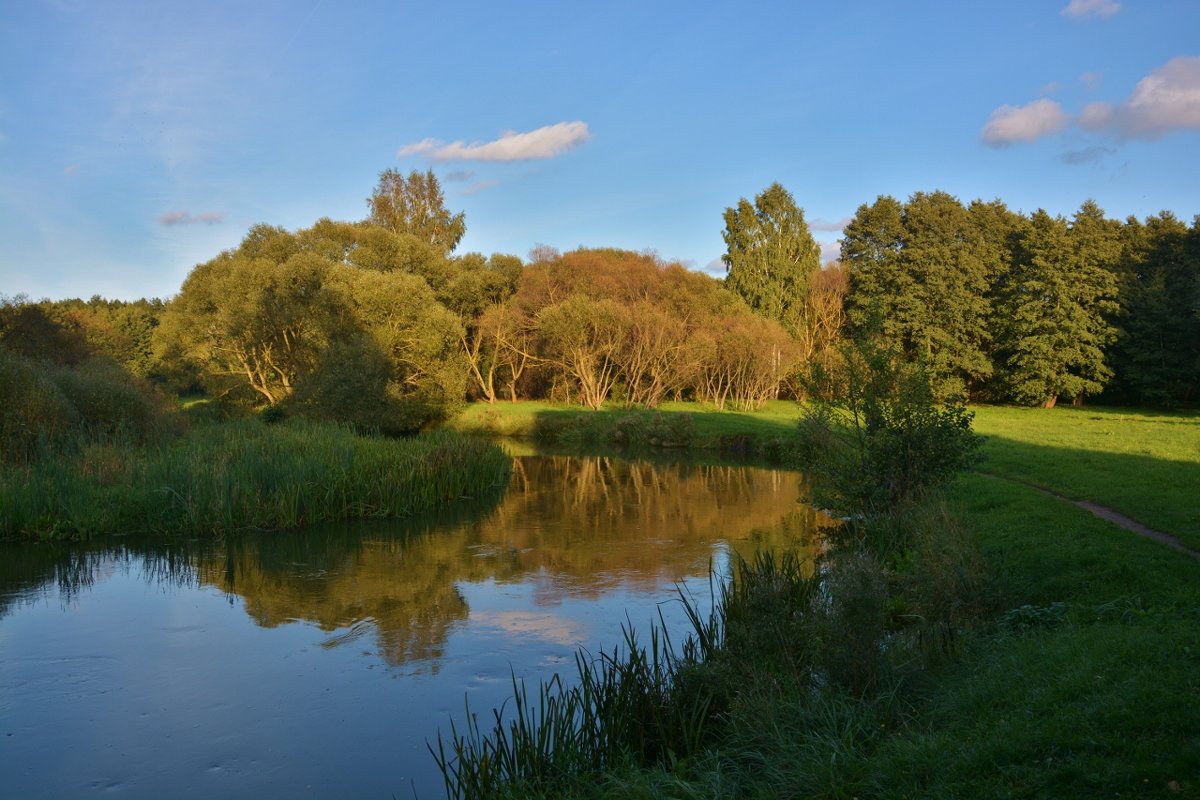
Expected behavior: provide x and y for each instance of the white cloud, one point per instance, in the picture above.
(545, 142)
(458, 176)
(1083, 9)
(1009, 124)
(172, 218)
(1090, 79)
(1168, 99)
(715, 268)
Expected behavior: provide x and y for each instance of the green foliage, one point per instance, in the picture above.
(1157, 357)
(922, 271)
(35, 415)
(111, 402)
(771, 255)
(891, 442)
(621, 428)
(277, 320)
(1056, 303)
(415, 205)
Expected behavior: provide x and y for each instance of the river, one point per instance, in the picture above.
(318, 663)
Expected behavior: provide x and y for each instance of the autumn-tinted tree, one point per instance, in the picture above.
(414, 204)
(771, 255)
(582, 338)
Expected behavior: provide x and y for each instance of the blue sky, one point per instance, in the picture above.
(140, 138)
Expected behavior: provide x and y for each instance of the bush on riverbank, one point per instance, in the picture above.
(57, 409)
(243, 474)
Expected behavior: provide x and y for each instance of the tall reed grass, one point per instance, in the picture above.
(239, 475)
(637, 705)
(797, 663)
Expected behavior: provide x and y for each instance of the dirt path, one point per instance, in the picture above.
(1106, 513)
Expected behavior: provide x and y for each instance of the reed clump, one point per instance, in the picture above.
(240, 475)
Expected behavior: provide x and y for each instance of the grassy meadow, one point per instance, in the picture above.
(1072, 674)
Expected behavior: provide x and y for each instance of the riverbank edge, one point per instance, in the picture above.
(1079, 681)
(243, 474)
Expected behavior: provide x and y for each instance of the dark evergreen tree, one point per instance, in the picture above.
(920, 273)
(1157, 358)
(1056, 302)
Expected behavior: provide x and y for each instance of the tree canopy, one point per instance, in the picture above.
(771, 255)
(414, 204)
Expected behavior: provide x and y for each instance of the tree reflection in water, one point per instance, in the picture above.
(578, 526)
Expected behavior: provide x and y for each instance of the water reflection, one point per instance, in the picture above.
(577, 525)
(318, 662)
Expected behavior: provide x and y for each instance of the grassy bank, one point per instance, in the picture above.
(242, 474)
(672, 425)
(1069, 671)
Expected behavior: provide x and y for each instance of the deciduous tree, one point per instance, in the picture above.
(771, 255)
(414, 204)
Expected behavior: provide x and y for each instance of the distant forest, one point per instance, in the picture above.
(380, 323)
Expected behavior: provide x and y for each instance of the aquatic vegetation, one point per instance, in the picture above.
(244, 474)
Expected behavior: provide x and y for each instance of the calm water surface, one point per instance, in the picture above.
(318, 663)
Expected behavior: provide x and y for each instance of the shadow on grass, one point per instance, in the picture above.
(1158, 492)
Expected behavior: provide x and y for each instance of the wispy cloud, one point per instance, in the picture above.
(1086, 9)
(545, 142)
(1087, 155)
(458, 176)
(479, 186)
(70, 169)
(1166, 100)
(1009, 124)
(833, 227)
(172, 218)
(1090, 80)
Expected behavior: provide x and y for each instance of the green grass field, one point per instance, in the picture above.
(1144, 464)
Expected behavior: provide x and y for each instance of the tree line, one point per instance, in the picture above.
(381, 323)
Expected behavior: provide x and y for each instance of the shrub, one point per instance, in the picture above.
(34, 412)
(110, 401)
(888, 442)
